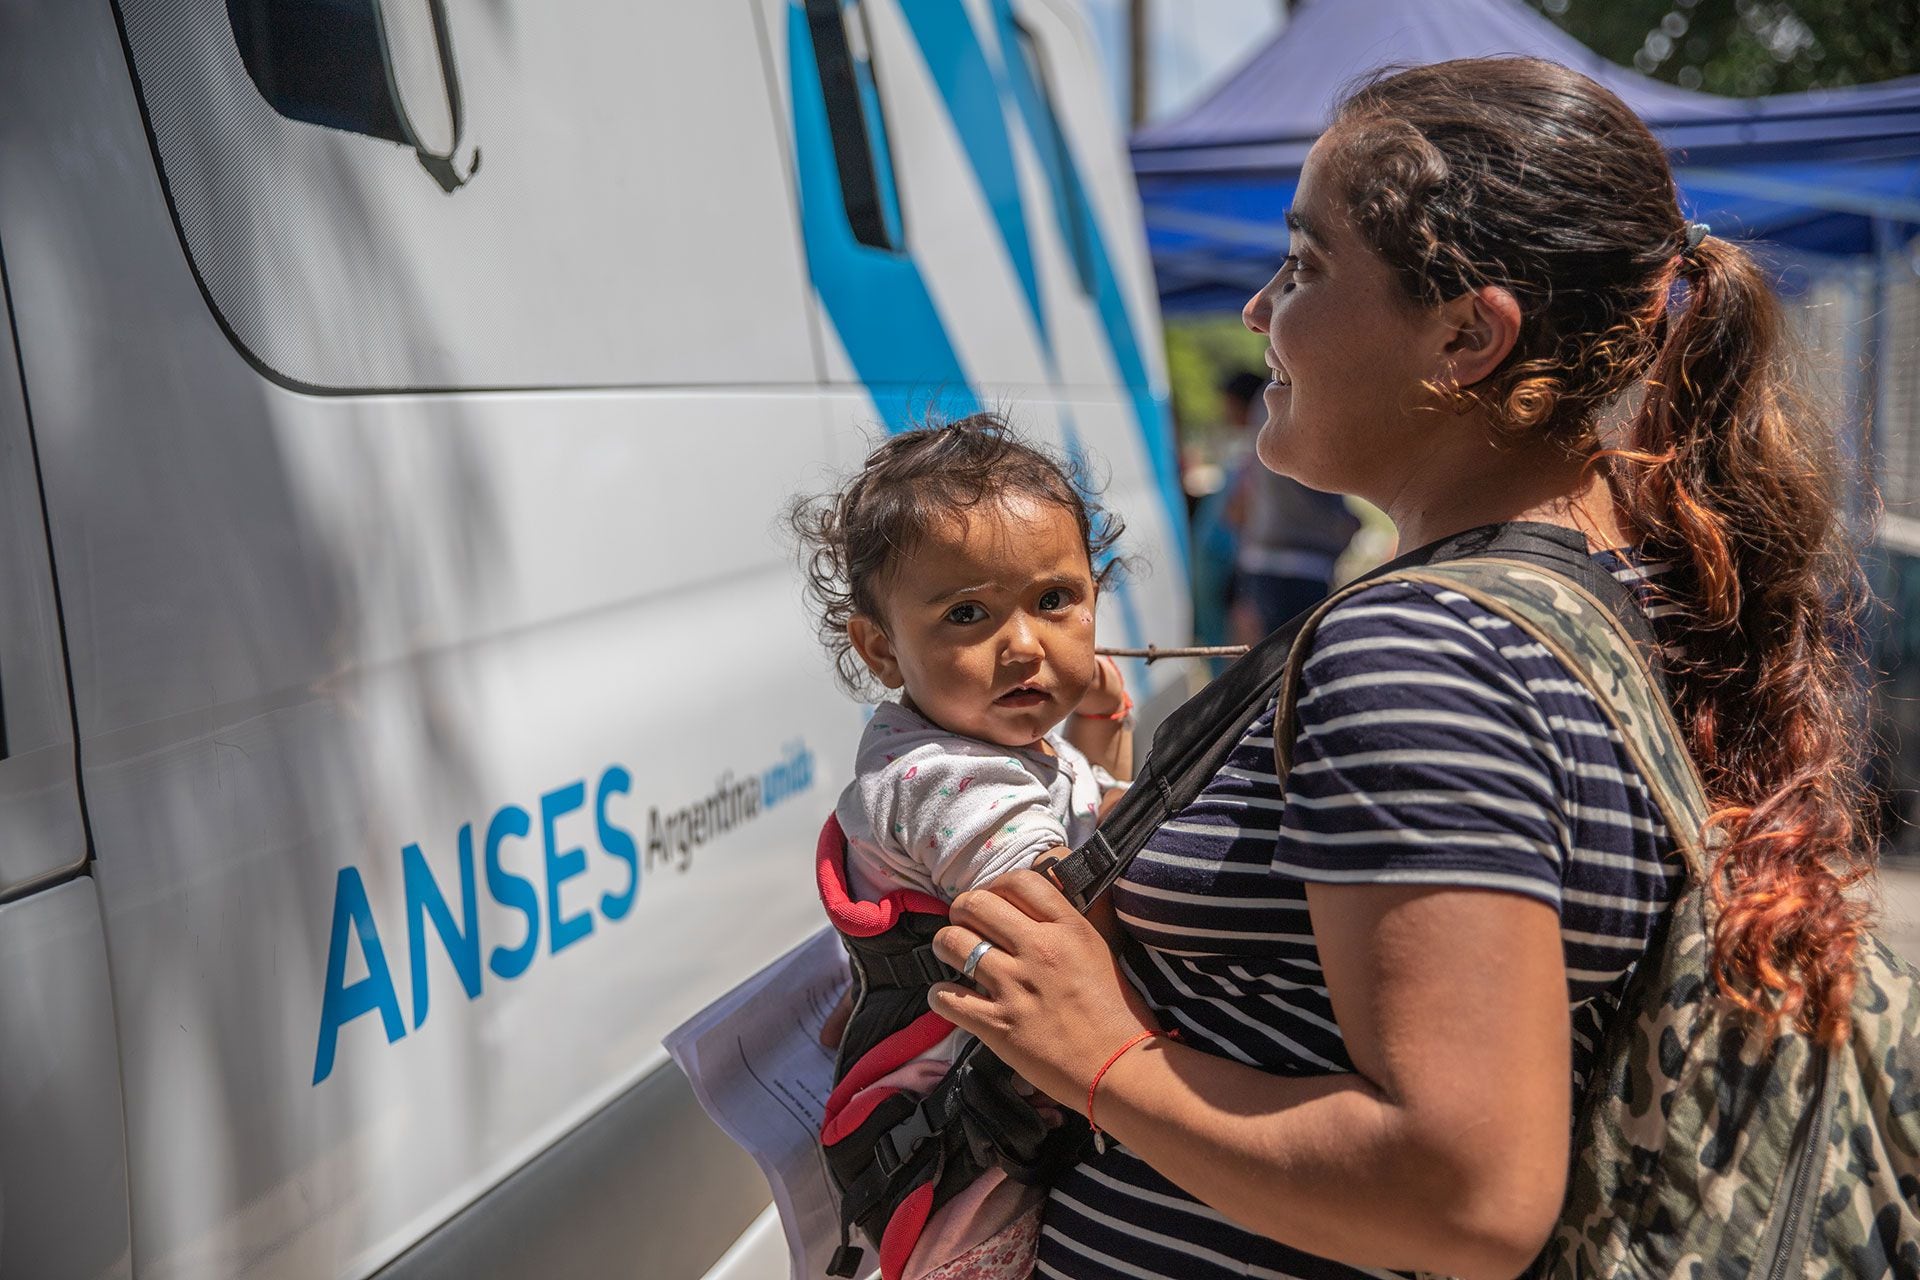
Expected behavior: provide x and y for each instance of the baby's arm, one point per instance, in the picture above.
(1102, 726)
(967, 819)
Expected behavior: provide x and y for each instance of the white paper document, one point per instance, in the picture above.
(758, 1067)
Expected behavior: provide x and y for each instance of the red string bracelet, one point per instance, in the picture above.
(1117, 1055)
(1121, 712)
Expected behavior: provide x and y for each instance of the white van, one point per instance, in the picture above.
(409, 713)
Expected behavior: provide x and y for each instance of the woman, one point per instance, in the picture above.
(1388, 977)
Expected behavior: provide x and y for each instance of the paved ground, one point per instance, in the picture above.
(1900, 903)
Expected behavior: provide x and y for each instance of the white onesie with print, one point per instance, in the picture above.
(942, 813)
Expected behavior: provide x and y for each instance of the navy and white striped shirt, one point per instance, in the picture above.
(1436, 745)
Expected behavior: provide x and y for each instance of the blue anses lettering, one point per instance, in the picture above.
(617, 842)
(514, 875)
(563, 865)
(508, 890)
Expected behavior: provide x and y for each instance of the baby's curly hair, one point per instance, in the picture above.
(850, 539)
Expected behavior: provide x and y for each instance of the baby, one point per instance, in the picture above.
(959, 569)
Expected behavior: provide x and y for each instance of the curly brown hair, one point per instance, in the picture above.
(1522, 174)
(852, 538)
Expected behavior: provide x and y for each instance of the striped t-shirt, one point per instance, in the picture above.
(1436, 744)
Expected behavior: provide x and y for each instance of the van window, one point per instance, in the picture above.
(842, 46)
(382, 68)
(1069, 203)
(319, 61)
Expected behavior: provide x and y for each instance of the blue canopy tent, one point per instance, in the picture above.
(1832, 178)
(1834, 172)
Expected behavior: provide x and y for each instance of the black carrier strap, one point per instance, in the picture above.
(916, 968)
(1192, 743)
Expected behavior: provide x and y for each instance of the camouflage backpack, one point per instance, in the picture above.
(1701, 1149)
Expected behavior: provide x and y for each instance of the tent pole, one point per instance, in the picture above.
(1137, 62)
(1891, 776)
(1878, 440)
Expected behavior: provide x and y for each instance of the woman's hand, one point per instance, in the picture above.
(1050, 998)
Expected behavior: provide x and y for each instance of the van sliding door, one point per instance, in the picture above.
(63, 1181)
(42, 839)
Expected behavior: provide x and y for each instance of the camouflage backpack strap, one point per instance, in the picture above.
(1636, 1189)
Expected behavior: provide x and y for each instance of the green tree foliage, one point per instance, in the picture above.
(1202, 351)
(1748, 48)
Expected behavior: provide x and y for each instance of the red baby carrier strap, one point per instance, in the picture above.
(894, 1156)
(850, 915)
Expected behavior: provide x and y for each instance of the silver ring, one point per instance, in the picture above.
(973, 957)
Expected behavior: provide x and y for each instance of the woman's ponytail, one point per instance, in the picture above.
(1527, 176)
(1730, 476)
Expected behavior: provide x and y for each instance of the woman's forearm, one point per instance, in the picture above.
(1331, 1165)
(1445, 1148)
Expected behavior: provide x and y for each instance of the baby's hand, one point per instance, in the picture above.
(1107, 695)
(835, 1026)
(1102, 724)
(1046, 1108)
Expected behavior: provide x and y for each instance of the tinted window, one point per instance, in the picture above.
(859, 128)
(1069, 205)
(320, 61)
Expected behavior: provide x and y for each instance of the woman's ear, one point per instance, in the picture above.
(1483, 324)
(871, 642)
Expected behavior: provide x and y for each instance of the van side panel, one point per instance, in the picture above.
(621, 219)
(42, 836)
(645, 1187)
(449, 724)
(442, 751)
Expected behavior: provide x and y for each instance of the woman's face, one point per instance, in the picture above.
(1348, 353)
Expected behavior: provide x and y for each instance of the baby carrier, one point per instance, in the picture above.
(896, 1157)
(895, 1160)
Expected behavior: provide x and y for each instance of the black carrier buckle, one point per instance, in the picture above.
(916, 968)
(896, 1146)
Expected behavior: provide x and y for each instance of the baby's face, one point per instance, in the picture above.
(989, 624)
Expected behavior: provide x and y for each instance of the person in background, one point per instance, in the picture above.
(1217, 516)
(1290, 536)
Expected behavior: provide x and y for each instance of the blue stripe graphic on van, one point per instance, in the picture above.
(975, 100)
(877, 300)
(972, 95)
(1150, 409)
